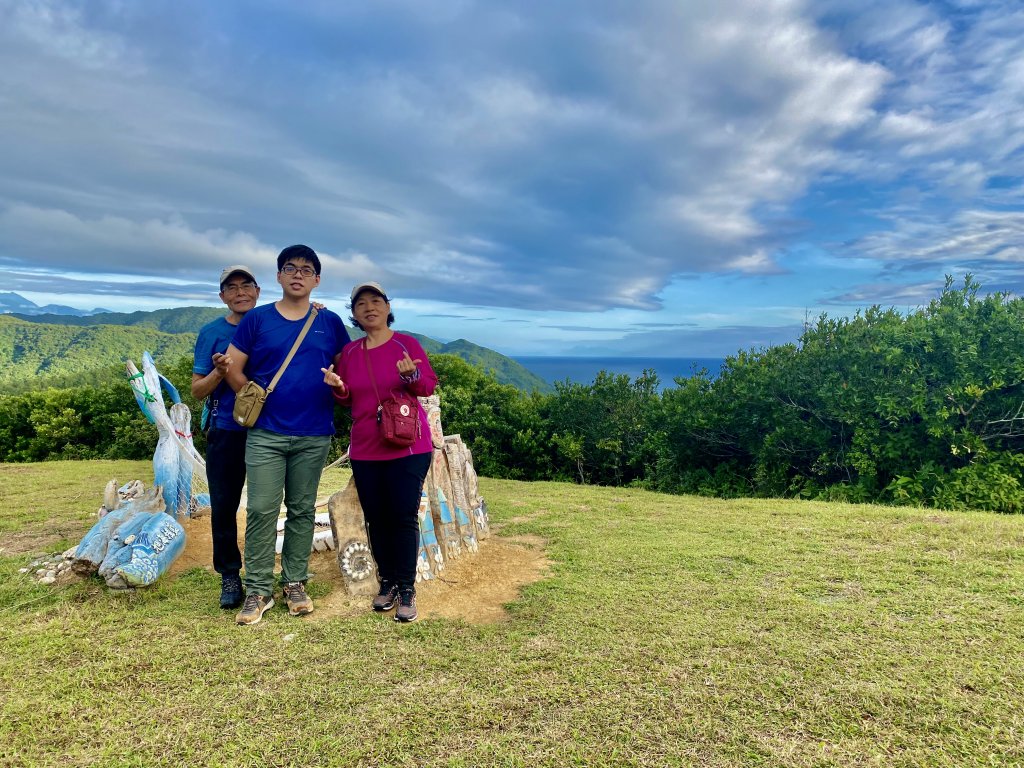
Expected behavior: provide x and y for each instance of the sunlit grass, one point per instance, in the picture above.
(671, 631)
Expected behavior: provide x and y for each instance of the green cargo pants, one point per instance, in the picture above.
(279, 466)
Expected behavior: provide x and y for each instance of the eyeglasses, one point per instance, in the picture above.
(231, 290)
(291, 269)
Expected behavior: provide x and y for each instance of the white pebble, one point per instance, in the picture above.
(23, 570)
(51, 574)
(69, 554)
(41, 572)
(288, 638)
(47, 579)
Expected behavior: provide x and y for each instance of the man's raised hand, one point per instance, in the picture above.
(222, 363)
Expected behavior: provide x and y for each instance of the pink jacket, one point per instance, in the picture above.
(366, 442)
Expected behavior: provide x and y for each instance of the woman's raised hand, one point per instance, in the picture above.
(407, 366)
(332, 379)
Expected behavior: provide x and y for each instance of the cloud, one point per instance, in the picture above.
(153, 248)
(121, 245)
(579, 328)
(578, 157)
(705, 342)
(507, 152)
(971, 235)
(901, 295)
(662, 325)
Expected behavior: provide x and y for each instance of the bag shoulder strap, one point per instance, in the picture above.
(369, 370)
(291, 352)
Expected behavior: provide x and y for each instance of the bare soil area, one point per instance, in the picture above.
(473, 587)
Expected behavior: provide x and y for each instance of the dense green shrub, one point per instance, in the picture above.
(923, 408)
(502, 425)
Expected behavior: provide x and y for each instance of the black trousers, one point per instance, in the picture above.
(389, 493)
(225, 473)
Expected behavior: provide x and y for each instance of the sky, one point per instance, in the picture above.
(674, 178)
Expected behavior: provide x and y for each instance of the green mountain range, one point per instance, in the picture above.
(38, 351)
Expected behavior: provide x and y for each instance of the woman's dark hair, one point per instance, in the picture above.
(355, 323)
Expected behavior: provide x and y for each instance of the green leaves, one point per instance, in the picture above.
(870, 406)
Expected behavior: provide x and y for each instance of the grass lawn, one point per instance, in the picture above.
(670, 631)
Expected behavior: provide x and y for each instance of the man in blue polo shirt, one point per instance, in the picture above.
(286, 448)
(225, 441)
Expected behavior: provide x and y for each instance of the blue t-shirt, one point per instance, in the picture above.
(215, 337)
(301, 403)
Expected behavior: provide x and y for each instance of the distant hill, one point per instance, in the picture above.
(57, 350)
(13, 302)
(179, 320)
(34, 353)
(504, 369)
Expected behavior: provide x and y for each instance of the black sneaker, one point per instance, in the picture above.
(406, 605)
(385, 599)
(254, 608)
(231, 594)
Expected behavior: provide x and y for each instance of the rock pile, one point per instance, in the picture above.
(48, 570)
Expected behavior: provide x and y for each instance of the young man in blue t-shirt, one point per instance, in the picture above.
(225, 441)
(287, 447)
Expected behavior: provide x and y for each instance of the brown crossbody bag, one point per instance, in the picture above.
(398, 417)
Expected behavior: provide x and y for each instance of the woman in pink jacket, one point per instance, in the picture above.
(388, 478)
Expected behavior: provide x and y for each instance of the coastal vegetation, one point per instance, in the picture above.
(923, 408)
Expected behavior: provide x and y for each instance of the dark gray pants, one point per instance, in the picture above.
(225, 474)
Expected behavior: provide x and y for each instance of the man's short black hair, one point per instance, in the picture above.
(303, 252)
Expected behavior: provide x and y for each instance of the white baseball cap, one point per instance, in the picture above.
(236, 269)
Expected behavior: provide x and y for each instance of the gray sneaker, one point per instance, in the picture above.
(253, 609)
(385, 599)
(406, 605)
(298, 601)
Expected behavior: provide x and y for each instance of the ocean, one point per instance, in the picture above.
(583, 370)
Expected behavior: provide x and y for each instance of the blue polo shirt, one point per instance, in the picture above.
(215, 337)
(301, 404)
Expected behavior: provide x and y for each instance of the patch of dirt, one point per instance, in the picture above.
(473, 587)
(199, 544)
(28, 543)
(36, 542)
(528, 518)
